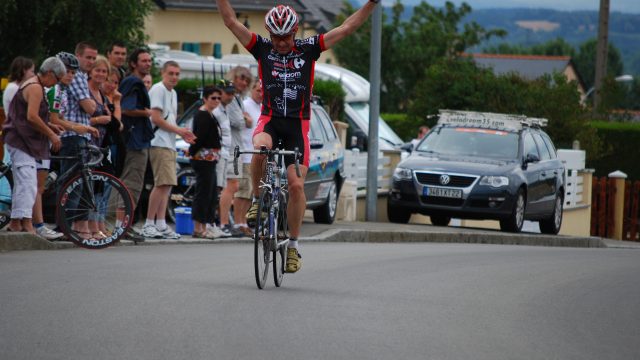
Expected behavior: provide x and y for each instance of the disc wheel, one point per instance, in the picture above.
(280, 253)
(102, 199)
(262, 248)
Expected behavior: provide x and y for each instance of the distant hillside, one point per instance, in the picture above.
(534, 26)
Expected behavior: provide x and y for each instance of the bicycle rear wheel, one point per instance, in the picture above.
(280, 253)
(262, 243)
(103, 200)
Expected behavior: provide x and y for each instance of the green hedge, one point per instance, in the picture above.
(332, 95)
(622, 149)
(405, 126)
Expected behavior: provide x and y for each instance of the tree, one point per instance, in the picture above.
(41, 28)
(557, 47)
(460, 84)
(410, 46)
(585, 62)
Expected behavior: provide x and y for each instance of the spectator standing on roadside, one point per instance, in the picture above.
(117, 147)
(79, 106)
(117, 55)
(136, 110)
(28, 137)
(422, 131)
(226, 151)
(57, 101)
(164, 112)
(253, 107)
(240, 123)
(222, 114)
(205, 152)
(20, 70)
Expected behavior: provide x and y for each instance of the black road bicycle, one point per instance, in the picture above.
(271, 228)
(91, 195)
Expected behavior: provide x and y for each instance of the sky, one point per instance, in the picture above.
(625, 6)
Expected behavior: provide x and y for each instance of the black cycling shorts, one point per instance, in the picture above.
(294, 133)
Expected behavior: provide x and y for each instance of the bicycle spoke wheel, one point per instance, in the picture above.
(97, 213)
(280, 253)
(262, 250)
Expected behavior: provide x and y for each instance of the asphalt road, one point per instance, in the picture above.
(350, 301)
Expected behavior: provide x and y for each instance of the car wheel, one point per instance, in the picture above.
(514, 222)
(438, 220)
(552, 224)
(326, 213)
(397, 214)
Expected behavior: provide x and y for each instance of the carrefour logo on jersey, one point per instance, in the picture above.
(298, 63)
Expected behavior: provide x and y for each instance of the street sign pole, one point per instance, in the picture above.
(374, 114)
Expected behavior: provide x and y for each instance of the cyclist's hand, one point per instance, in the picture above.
(55, 143)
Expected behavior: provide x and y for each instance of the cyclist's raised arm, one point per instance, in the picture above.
(351, 24)
(231, 21)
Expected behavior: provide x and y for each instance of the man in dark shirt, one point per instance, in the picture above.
(137, 125)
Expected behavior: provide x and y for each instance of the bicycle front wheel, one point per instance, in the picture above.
(102, 201)
(280, 253)
(262, 242)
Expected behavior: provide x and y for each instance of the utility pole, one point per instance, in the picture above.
(601, 52)
(374, 114)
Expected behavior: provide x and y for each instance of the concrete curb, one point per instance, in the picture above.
(383, 236)
(24, 241)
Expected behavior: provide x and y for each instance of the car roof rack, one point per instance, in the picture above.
(510, 122)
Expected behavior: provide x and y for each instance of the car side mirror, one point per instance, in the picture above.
(315, 144)
(359, 140)
(531, 158)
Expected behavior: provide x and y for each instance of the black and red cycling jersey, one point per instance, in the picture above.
(287, 80)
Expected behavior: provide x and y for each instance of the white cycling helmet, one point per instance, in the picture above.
(281, 20)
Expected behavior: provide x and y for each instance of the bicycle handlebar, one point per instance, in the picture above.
(264, 151)
(96, 153)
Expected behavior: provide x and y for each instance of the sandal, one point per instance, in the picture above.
(201, 235)
(98, 235)
(86, 235)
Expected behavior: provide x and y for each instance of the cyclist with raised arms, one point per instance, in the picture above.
(285, 67)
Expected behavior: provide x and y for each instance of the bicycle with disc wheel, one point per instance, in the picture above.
(92, 195)
(271, 235)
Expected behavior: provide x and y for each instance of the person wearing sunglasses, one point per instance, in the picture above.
(205, 153)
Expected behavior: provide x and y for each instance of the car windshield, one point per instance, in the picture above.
(471, 142)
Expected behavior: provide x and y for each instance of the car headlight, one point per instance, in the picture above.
(495, 181)
(402, 174)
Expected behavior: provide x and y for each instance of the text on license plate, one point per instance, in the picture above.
(442, 192)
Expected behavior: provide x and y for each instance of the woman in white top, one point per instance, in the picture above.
(20, 70)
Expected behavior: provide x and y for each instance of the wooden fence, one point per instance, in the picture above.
(603, 208)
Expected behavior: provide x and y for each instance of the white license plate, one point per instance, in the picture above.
(442, 192)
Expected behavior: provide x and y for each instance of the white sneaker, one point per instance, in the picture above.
(215, 232)
(167, 233)
(48, 234)
(150, 231)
